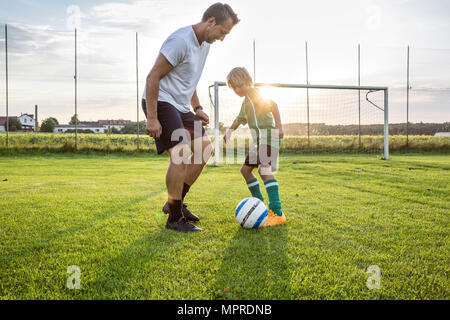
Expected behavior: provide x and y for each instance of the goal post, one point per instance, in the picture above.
(328, 104)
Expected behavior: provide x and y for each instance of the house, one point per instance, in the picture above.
(442, 134)
(27, 121)
(100, 126)
(94, 127)
(3, 123)
(118, 124)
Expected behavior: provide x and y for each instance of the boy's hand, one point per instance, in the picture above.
(226, 137)
(202, 116)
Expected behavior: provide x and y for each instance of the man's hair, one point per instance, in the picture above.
(222, 12)
(238, 77)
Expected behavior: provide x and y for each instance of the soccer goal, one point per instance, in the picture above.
(316, 118)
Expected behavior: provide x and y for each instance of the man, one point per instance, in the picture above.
(169, 94)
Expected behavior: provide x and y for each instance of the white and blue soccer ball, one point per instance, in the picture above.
(251, 213)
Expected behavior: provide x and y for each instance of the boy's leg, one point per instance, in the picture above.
(271, 185)
(252, 182)
(268, 161)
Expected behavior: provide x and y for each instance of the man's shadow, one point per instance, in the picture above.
(254, 266)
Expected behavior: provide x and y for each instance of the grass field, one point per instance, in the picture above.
(345, 213)
(127, 143)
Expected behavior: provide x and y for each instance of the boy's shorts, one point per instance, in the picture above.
(264, 154)
(171, 119)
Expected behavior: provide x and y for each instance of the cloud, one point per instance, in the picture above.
(140, 16)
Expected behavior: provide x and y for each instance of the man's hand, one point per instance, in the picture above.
(280, 133)
(154, 128)
(202, 116)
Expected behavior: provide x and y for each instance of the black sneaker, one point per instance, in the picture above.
(186, 212)
(182, 225)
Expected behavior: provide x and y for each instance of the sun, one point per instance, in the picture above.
(269, 92)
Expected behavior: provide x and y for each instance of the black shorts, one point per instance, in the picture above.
(171, 119)
(264, 154)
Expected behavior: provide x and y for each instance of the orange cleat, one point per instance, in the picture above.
(273, 219)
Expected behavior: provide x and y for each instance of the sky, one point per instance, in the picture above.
(41, 54)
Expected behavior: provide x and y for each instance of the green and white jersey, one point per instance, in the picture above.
(257, 113)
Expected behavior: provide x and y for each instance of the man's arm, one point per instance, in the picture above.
(160, 69)
(195, 102)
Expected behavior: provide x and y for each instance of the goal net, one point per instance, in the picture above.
(316, 118)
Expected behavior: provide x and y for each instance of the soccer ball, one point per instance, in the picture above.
(251, 213)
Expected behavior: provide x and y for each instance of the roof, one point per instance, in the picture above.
(3, 120)
(80, 126)
(113, 122)
(26, 114)
(87, 123)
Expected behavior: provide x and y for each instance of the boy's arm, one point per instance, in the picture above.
(233, 127)
(277, 118)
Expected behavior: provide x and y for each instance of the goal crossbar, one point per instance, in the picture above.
(218, 84)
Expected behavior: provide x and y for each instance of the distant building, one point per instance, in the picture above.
(3, 123)
(442, 134)
(100, 126)
(27, 121)
(95, 128)
(118, 124)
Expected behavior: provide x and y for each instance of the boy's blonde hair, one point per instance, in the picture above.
(238, 77)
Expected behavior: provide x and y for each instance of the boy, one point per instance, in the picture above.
(259, 113)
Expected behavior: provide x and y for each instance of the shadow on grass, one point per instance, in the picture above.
(255, 266)
(152, 267)
(52, 238)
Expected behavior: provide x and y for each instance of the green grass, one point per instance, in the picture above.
(127, 143)
(345, 213)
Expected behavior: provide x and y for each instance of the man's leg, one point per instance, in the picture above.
(202, 150)
(175, 176)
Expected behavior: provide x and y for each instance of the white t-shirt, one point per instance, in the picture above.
(188, 58)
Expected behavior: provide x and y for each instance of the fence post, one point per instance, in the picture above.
(76, 92)
(36, 118)
(407, 98)
(137, 90)
(359, 95)
(7, 88)
(216, 124)
(386, 124)
(307, 92)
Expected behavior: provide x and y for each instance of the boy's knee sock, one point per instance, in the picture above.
(274, 197)
(253, 186)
